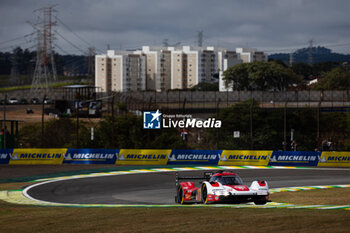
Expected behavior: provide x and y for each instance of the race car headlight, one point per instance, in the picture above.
(217, 192)
(221, 193)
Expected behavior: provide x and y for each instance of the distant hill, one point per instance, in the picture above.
(319, 54)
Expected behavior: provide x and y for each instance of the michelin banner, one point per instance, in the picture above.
(143, 157)
(37, 156)
(334, 159)
(194, 157)
(91, 156)
(5, 156)
(245, 157)
(174, 157)
(294, 158)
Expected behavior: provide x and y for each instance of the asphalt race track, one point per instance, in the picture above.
(159, 188)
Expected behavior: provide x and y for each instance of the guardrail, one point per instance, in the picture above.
(181, 96)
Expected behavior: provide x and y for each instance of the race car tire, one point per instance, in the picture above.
(180, 198)
(204, 194)
(260, 200)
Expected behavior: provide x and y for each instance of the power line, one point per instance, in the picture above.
(200, 39)
(77, 35)
(71, 43)
(17, 38)
(66, 26)
(310, 52)
(64, 51)
(45, 68)
(71, 61)
(16, 45)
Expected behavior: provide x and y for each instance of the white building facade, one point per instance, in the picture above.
(241, 55)
(165, 68)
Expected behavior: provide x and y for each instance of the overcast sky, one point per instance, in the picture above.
(269, 25)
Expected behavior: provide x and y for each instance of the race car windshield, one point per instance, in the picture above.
(227, 180)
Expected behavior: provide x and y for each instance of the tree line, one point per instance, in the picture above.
(123, 131)
(264, 129)
(23, 60)
(259, 129)
(275, 76)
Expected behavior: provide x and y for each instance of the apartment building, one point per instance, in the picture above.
(251, 55)
(120, 71)
(165, 71)
(226, 59)
(164, 68)
(158, 67)
(245, 55)
(102, 78)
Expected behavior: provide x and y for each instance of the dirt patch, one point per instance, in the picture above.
(19, 112)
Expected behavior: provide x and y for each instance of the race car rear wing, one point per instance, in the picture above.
(205, 176)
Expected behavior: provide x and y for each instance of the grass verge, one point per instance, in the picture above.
(16, 218)
(334, 196)
(54, 85)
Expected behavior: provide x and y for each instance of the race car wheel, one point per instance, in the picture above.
(204, 194)
(260, 200)
(180, 198)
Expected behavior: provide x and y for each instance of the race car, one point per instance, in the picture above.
(220, 187)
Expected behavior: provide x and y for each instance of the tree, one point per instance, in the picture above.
(336, 79)
(302, 69)
(267, 127)
(262, 76)
(58, 133)
(129, 133)
(206, 87)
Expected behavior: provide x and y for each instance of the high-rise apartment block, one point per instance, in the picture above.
(245, 56)
(165, 68)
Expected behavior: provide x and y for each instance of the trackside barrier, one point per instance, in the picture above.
(173, 157)
(91, 156)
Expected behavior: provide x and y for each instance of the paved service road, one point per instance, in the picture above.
(159, 188)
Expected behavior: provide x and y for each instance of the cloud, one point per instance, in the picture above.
(263, 24)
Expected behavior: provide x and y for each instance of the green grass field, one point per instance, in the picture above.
(20, 218)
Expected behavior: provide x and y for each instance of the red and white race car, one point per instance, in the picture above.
(220, 187)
